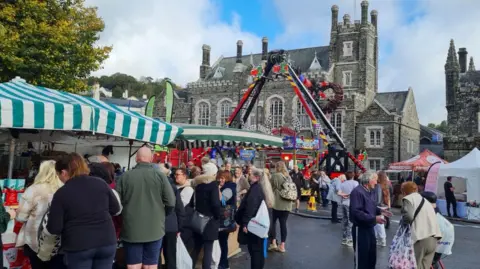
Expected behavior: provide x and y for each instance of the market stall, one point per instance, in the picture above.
(419, 163)
(220, 138)
(466, 174)
(41, 113)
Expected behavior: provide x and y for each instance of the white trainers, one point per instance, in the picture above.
(350, 243)
(382, 242)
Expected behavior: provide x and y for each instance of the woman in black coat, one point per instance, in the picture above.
(207, 203)
(247, 210)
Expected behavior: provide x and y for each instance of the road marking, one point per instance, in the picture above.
(454, 224)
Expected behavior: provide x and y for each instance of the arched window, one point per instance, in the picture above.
(276, 111)
(302, 116)
(336, 121)
(253, 118)
(203, 113)
(225, 112)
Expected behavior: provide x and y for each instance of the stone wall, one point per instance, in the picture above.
(455, 147)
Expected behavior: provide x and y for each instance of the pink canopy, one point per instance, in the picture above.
(420, 163)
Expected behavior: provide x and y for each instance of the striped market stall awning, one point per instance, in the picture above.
(198, 136)
(25, 106)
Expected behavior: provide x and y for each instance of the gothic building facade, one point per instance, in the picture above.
(462, 103)
(384, 123)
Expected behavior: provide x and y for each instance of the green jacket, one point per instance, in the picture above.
(145, 193)
(280, 204)
(4, 219)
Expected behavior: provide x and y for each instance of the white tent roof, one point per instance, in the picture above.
(465, 167)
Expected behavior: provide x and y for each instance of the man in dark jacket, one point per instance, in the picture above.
(364, 214)
(173, 226)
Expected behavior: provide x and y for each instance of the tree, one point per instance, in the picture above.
(442, 127)
(50, 43)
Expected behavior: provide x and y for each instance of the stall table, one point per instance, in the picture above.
(461, 208)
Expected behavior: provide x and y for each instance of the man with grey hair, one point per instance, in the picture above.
(364, 214)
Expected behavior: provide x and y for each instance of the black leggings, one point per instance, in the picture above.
(282, 217)
(207, 251)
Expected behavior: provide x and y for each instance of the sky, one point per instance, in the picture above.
(162, 38)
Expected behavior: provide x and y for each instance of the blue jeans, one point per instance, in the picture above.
(324, 193)
(95, 258)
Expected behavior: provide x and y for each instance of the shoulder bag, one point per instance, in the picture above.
(289, 190)
(198, 221)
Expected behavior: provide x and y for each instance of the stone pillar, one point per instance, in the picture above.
(462, 59)
(264, 48)
(364, 5)
(334, 18)
(205, 67)
(239, 51)
(374, 18)
(346, 19)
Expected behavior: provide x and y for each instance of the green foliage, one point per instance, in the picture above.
(50, 43)
(119, 82)
(442, 127)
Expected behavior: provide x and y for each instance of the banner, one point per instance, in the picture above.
(305, 143)
(168, 101)
(432, 178)
(247, 155)
(149, 107)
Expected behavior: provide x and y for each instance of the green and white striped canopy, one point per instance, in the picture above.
(26, 106)
(198, 136)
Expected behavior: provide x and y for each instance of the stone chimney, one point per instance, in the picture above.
(346, 19)
(471, 65)
(264, 48)
(239, 51)
(364, 5)
(96, 91)
(462, 59)
(205, 67)
(374, 17)
(334, 18)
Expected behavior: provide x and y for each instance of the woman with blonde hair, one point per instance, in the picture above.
(281, 207)
(33, 206)
(383, 201)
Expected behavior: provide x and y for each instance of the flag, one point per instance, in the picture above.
(150, 106)
(168, 101)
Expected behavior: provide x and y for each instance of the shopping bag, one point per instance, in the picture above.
(184, 261)
(216, 255)
(260, 224)
(401, 254)
(445, 244)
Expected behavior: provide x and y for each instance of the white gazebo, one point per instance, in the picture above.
(468, 168)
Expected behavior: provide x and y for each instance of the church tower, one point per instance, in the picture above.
(354, 52)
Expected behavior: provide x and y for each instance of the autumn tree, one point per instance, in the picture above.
(442, 127)
(50, 43)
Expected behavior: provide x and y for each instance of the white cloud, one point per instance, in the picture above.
(164, 38)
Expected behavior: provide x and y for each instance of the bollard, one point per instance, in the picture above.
(312, 204)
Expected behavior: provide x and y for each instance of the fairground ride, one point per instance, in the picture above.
(276, 65)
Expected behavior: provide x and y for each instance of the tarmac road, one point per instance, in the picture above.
(316, 243)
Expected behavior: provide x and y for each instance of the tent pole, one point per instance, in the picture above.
(11, 157)
(130, 153)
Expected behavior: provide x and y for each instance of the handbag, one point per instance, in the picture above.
(198, 221)
(260, 224)
(289, 190)
(402, 255)
(184, 261)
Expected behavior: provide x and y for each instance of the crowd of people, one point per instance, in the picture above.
(75, 213)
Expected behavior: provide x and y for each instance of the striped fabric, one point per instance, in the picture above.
(197, 136)
(26, 106)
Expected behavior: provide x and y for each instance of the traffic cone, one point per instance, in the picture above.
(312, 204)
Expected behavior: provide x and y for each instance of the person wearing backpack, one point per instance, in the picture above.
(281, 206)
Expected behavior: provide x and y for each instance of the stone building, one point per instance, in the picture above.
(463, 106)
(385, 124)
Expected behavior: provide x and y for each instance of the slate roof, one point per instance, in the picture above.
(301, 58)
(124, 102)
(428, 132)
(393, 101)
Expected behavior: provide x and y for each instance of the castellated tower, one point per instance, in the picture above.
(354, 52)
